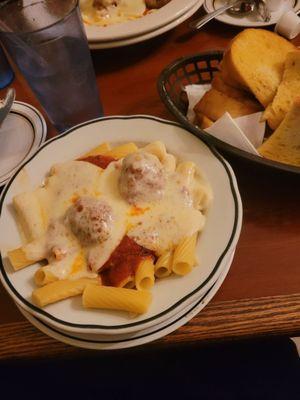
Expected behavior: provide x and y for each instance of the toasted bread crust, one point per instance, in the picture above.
(287, 91)
(214, 104)
(255, 61)
(284, 144)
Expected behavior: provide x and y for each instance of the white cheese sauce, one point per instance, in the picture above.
(76, 245)
(166, 222)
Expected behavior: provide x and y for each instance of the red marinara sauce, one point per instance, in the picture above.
(123, 262)
(99, 160)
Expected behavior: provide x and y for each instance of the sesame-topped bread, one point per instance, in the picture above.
(255, 61)
(287, 91)
(284, 144)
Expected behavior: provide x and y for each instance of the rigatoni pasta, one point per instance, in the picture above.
(144, 277)
(60, 290)
(19, 259)
(184, 255)
(43, 276)
(163, 266)
(121, 151)
(29, 214)
(122, 216)
(99, 150)
(112, 298)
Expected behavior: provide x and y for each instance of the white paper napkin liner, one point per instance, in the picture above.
(227, 130)
(248, 127)
(252, 127)
(195, 94)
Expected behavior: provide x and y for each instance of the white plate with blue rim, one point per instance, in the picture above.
(21, 133)
(106, 342)
(170, 295)
(197, 305)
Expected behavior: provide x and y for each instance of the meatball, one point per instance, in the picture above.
(142, 178)
(90, 220)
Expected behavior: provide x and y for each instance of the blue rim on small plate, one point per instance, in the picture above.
(23, 123)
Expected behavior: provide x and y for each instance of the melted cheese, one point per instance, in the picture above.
(165, 223)
(67, 182)
(156, 225)
(108, 185)
(72, 266)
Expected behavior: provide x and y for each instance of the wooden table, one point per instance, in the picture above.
(261, 294)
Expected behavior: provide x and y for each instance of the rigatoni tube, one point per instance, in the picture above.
(113, 298)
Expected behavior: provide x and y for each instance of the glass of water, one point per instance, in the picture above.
(6, 73)
(47, 41)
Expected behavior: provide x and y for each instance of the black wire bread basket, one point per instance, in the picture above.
(200, 69)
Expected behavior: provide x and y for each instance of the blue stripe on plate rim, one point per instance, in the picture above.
(43, 134)
(130, 342)
(67, 335)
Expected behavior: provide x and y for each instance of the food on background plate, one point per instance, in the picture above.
(110, 223)
(260, 71)
(109, 12)
(284, 144)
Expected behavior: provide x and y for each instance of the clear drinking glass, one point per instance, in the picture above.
(47, 41)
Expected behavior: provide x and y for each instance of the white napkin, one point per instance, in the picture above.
(246, 132)
(194, 94)
(252, 127)
(227, 130)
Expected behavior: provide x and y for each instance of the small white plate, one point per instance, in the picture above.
(248, 20)
(135, 339)
(149, 35)
(150, 22)
(170, 295)
(21, 133)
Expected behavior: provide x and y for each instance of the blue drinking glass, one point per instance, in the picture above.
(47, 41)
(6, 72)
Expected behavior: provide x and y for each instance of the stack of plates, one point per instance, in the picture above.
(175, 299)
(154, 24)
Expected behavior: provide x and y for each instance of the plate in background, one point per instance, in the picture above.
(150, 22)
(149, 35)
(251, 20)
